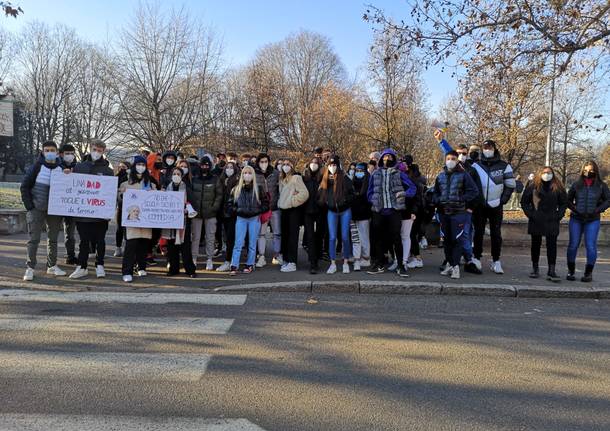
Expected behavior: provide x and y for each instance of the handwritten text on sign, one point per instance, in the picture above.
(157, 209)
(80, 195)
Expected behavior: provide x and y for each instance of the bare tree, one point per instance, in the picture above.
(166, 67)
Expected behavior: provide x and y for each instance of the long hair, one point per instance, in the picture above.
(338, 178)
(133, 176)
(241, 183)
(283, 175)
(593, 164)
(188, 177)
(309, 175)
(556, 184)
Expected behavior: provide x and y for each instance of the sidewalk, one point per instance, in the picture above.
(515, 261)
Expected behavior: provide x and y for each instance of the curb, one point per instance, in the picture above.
(423, 288)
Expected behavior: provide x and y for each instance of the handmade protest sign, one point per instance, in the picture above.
(81, 195)
(163, 210)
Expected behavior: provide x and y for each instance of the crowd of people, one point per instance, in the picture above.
(369, 215)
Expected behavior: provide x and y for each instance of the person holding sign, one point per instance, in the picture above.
(179, 240)
(35, 196)
(137, 238)
(92, 230)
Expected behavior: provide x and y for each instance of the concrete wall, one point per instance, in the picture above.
(12, 221)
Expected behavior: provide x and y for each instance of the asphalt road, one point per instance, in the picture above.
(347, 362)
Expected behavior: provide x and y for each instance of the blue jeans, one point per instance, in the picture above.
(342, 218)
(457, 228)
(591, 230)
(466, 238)
(252, 226)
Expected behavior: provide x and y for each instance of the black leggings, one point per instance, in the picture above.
(551, 248)
(229, 228)
(385, 232)
(135, 252)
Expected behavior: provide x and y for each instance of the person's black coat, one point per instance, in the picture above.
(361, 207)
(544, 209)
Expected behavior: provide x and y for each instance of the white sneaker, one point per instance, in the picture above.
(79, 273)
(261, 262)
(332, 269)
(129, 278)
(278, 260)
(497, 267)
(423, 243)
(455, 272)
(365, 263)
(357, 265)
(289, 267)
(225, 267)
(141, 273)
(477, 263)
(56, 270)
(346, 268)
(416, 262)
(394, 266)
(118, 252)
(448, 270)
(29, 274)
(209, 266)
(100, 272)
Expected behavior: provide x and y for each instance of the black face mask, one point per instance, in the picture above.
(222, 163)
(205, 170)
(590, 174)
(474, 155)
(158, 165)
(390, 163)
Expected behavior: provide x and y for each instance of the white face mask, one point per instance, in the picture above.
(229, 172)
(314, 167)
(95, 155)
(451, 164)
(263, 166)
(177, 179)
(332, 169)
(169, 162)
(351, 172)
(248, 178)
(185, 170)
(140, 169)
(488, 153)
(462, 158)
(286, 169)
(68, 158)
(546, 177)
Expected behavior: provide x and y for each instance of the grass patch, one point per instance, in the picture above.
(10, 198)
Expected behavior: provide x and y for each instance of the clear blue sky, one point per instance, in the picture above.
(243, 25)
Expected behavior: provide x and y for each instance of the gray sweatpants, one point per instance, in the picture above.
(35, 221)
(197, 224)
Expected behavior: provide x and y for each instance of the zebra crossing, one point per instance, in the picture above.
(73, 365)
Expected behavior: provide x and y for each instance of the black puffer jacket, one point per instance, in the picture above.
(588, 202)
(327, 199)
(361, 207)
(89, 167)
(229, 184)
(207, 195)
(312, 182)
(38, 198)
(246, 205)
(544, 209)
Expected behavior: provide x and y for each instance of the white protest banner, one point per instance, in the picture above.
(6, 117)
(156, 209)
(80, 195)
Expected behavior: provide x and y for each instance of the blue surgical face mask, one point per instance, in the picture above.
(359, 175)
(50, 156)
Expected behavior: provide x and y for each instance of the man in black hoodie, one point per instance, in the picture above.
(92, 230)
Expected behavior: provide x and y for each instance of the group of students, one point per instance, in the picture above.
(370, 215)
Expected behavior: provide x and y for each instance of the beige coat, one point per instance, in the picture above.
(293, 193)
(135, 232)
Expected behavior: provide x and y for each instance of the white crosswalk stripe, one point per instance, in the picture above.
(27, 422)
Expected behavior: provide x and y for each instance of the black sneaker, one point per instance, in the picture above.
(570, 276)
(313, 269)
(402, 271)
(248, 269)
(377, 269)
(472, 268)
(71, 260)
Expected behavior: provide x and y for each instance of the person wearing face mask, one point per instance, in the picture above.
(315, 217)
(35, 197)
(67, 154)
(388, 189)
(122, 175)
(92, 231)
(207, 200)
(248, 201)
(497, 185)
(137, 239)
(361, 217)
(179, 240)
(544, 202)
(351, 170)
(455, 194)
(588, 197)
(168, 161)
(336, 194)
(269, 179)
(229, 179)
(293, 194)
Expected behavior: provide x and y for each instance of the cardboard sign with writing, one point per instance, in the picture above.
(81, 195)
(164, 210)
